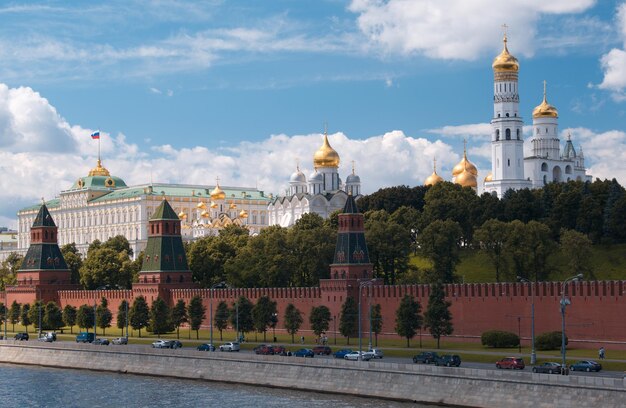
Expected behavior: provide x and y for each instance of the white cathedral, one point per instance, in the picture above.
(322, 194)
(546, 162)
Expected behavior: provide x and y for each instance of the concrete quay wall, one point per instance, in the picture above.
(399, 381)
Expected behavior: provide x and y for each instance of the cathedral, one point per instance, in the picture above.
(322, 194)
(510, 169)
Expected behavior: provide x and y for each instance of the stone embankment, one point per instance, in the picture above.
(398, 381)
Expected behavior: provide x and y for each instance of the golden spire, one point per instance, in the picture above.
(544, 109)
(505, 62)
(217, 193)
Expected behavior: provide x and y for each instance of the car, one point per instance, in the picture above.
(319, 350)
(281, 351)
(162, 344)
(342, 353)
(548, 367)
(355, 356)
(513, 363)
(206, 347)
(21, 336)
(304, 353)
(586, 365)
(375, 353)
(426, 357)
(101, 341)
(230, 346)
(45, 338)
(120, 340)
(84, 337)
(448, 360)
(264, 349)
(175, 344)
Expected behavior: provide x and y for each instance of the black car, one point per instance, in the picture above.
(448, 360)
(176, 344)
(205, 347)
(548, 368)
(426, 357)
(21, 336)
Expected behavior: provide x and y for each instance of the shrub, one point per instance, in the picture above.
(499, 339)
(549, 341)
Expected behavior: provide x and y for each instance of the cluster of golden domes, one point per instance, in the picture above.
(326, 156)
(464, 173)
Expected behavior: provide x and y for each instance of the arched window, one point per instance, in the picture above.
(544, 166)
(508, 134)
(508, 162)
(507, 114)
(518, 133)
(497, 134)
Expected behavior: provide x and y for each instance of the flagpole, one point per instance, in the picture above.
(98, 145)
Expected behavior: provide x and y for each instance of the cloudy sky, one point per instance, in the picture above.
(185, 91)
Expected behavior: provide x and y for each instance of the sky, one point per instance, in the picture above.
(185, 91)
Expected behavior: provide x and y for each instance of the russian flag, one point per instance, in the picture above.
(95, 135)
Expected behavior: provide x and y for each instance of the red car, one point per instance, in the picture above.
(319, 350)
(264, 349)
(511, 363)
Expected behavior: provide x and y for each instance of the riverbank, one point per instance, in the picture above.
(396, 381)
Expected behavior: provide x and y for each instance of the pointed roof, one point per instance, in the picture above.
(43, 218)
(164, 212)
(350, 207)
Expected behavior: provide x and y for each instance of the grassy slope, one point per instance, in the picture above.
(609, 263)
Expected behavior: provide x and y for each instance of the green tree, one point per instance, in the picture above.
(160, 317)
(122, 312)
(101, 268)
(246, 322)
(439, 242)
(25, 316)
(540, 246)
(262, 313)
(179, 315)
(438, 318)
(314, 243)
(349, 319)
(293, 320)
(85, 317)
(319, 319)
(119, 244)
(491, 239)
(103, 315)
(33, 314)
(52, 317)
(408, 318)
(14, 313)
(139, 314)
(8, 270)
(3, 314)
(221, 317)
(197, 314)
(69, 317)
(389, 245)
(377, 321)
(577, 250)
(73, 259)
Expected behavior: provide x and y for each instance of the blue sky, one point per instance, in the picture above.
(189, 91)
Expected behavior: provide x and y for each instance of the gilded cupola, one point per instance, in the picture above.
(217, 193)
(505, 62)
(433, 178)
(464, 164)
(489, 178)
(99, 170)
(466, 179)
(544, 109)
(326, 156)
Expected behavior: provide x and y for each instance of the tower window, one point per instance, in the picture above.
(498, 115)
(518, 134)
(507, 115)
(497, 134)
(508, 134)
(508, 162)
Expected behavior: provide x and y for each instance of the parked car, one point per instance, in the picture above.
(21, 336)
(175, 344)
(44, 337)
(230, 346)
(84, 337)
(281, 351)
(101, 341)
(426, 357)
(264, 349)
(355, 356)
(342, 353)
(162, 344)
(304, 353)
(51, 336)
(448, 360)
(511, 363)
(206, 347)
(586, 365)
(319, 350)
(375, 353)
(120, 340)
(548, 368)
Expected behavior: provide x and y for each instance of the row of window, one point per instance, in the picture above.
(507, 134)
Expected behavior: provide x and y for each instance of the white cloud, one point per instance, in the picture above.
(614, 62)
(454, 29)
(480, 130)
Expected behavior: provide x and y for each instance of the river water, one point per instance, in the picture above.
(29, 386)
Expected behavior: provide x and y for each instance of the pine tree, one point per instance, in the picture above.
(319, 319)
(3, 314)
(25, 316)
(349, 320)
(122, 311)
(179, 315)
(245, 321)
(377, 321)
(408, 318)
(85, 317)
(69, 317)
(14, 313)
(160, 317)
(52, 316)
(262, 314)
(103, 315)
(293, 320)
(221, 317)
(197, 314)
(438, 318)
(139, 314)
(34, 314)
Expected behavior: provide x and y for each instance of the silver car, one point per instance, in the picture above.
(355, 356)
(120, 340)
(230, 346)
(374, 353)
(162, 344)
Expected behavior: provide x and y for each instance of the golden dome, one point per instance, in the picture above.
(213, 204)
(466, 179)
(99, 170)
(201, 205)
(243, 214)
(182, 215)
(464, 164)
(489, 177)
(505, 62)
(326, 156)
(544, 109)
(433, 178)
(217, 193)
(232, 206)
(204, 214)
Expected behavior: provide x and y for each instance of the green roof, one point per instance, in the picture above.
(43, 218)
(98, 182)
(164, 212)
(44, 256)
(50, 204)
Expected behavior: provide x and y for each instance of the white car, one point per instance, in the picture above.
(120, 340)
(162, 344)
(230, 346)
(355, 356)
(374, 353)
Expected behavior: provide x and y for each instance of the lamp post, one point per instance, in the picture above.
(334, 329)
(217, 285)
(564, 302)
(533, 353)
(274, 322)
(361, 285)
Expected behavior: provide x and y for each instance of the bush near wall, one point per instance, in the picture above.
(549, 341)
(499, 339)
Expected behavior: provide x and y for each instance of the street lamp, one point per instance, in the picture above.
(361, 285)
(564, 302)
(274, 322)
(217, 285)
(533, 354)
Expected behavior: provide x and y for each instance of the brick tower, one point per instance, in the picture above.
(165, 263)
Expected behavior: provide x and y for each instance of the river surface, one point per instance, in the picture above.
(30, 386)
